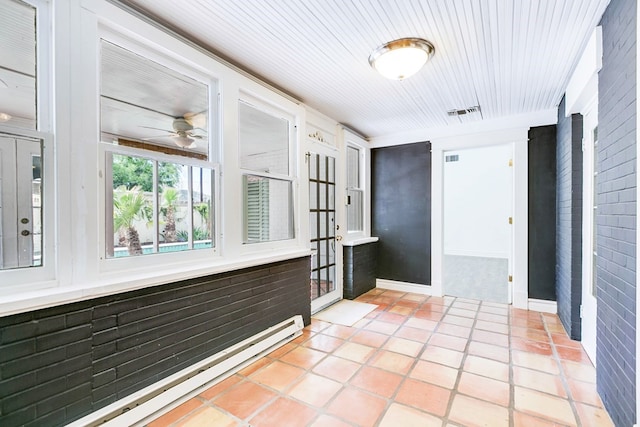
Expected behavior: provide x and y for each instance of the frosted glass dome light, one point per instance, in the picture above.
(401, 58)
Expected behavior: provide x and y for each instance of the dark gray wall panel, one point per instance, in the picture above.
(569, 221)
(616, 214)
(63, 362)
(401, 211)
(542, 212)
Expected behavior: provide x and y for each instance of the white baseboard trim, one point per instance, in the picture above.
(543, 306)
(403, 287)
(143, 406)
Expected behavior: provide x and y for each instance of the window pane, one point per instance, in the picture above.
(313, 196)
(173, 233)
(331, 169)
(18, 64)
(354, 210)
(313, 166)
(132, 206)
(264, 141)
(313, 225)
(354, 192)
(353, 167)
(202, 199)
(147, 105)
(323, 225)
(322, 166)
(183, 214)
(268, 209)
(36, 197)
(20, 202)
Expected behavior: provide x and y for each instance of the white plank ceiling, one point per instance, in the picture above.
(507, 56)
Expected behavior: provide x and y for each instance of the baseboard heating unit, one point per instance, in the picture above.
(147, 404)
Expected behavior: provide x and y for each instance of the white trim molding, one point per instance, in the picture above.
(501, 124)
(637, 216)
(413, 288)
(543, 306)
(152, 401)
(584, 81)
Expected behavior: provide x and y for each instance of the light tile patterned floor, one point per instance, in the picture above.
(415, 361)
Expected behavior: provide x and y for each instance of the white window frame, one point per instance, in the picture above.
(291, 114)
(350, 139)
(74, 219)
(358, 188)
(148, 51)
(35, 278)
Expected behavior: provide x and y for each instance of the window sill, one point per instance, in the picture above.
(359, 241)
(58, 295)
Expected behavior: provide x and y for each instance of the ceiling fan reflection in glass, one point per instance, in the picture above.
(150, 105)
(184, 131)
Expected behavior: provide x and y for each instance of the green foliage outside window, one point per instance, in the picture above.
(129, 172)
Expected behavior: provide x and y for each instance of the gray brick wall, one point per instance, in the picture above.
(616, 214)
(360, 268)
(61, 363)
(569, 220)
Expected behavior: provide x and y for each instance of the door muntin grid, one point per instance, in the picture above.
(322, 212)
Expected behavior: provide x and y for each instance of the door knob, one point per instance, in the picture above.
(338, 238)
(25, 232)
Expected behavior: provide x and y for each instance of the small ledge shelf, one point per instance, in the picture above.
(360, 241)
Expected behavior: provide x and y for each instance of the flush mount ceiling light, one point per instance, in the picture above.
(4, 117)
(401, 58)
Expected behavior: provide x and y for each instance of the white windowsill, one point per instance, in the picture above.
(360, 241)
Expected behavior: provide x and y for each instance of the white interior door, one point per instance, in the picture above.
(589, 253)
(20, 215)
(326, 261)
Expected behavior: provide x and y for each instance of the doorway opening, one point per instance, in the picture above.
(478, 218)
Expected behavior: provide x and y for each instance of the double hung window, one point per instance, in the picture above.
(265, 146)
(155, 130)
(355, 192)
(24, 127)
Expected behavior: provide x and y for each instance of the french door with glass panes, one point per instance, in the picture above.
(326, 259)
(20, 203)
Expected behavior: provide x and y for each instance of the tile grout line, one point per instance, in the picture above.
(454, 390)
(512, 382)
(448, 303)
(565, 382)
(405, 377)
(392, 399)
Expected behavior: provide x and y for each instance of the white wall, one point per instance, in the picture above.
(477, 202)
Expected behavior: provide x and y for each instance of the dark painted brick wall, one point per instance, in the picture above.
(569, 221)
(360, 269)
(616, 213)
(542, 212)
(61, 363)
(401, 211)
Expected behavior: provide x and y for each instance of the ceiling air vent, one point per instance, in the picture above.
(469, 110)
(451, 158)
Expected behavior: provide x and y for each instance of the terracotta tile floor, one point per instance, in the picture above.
(415, 361)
